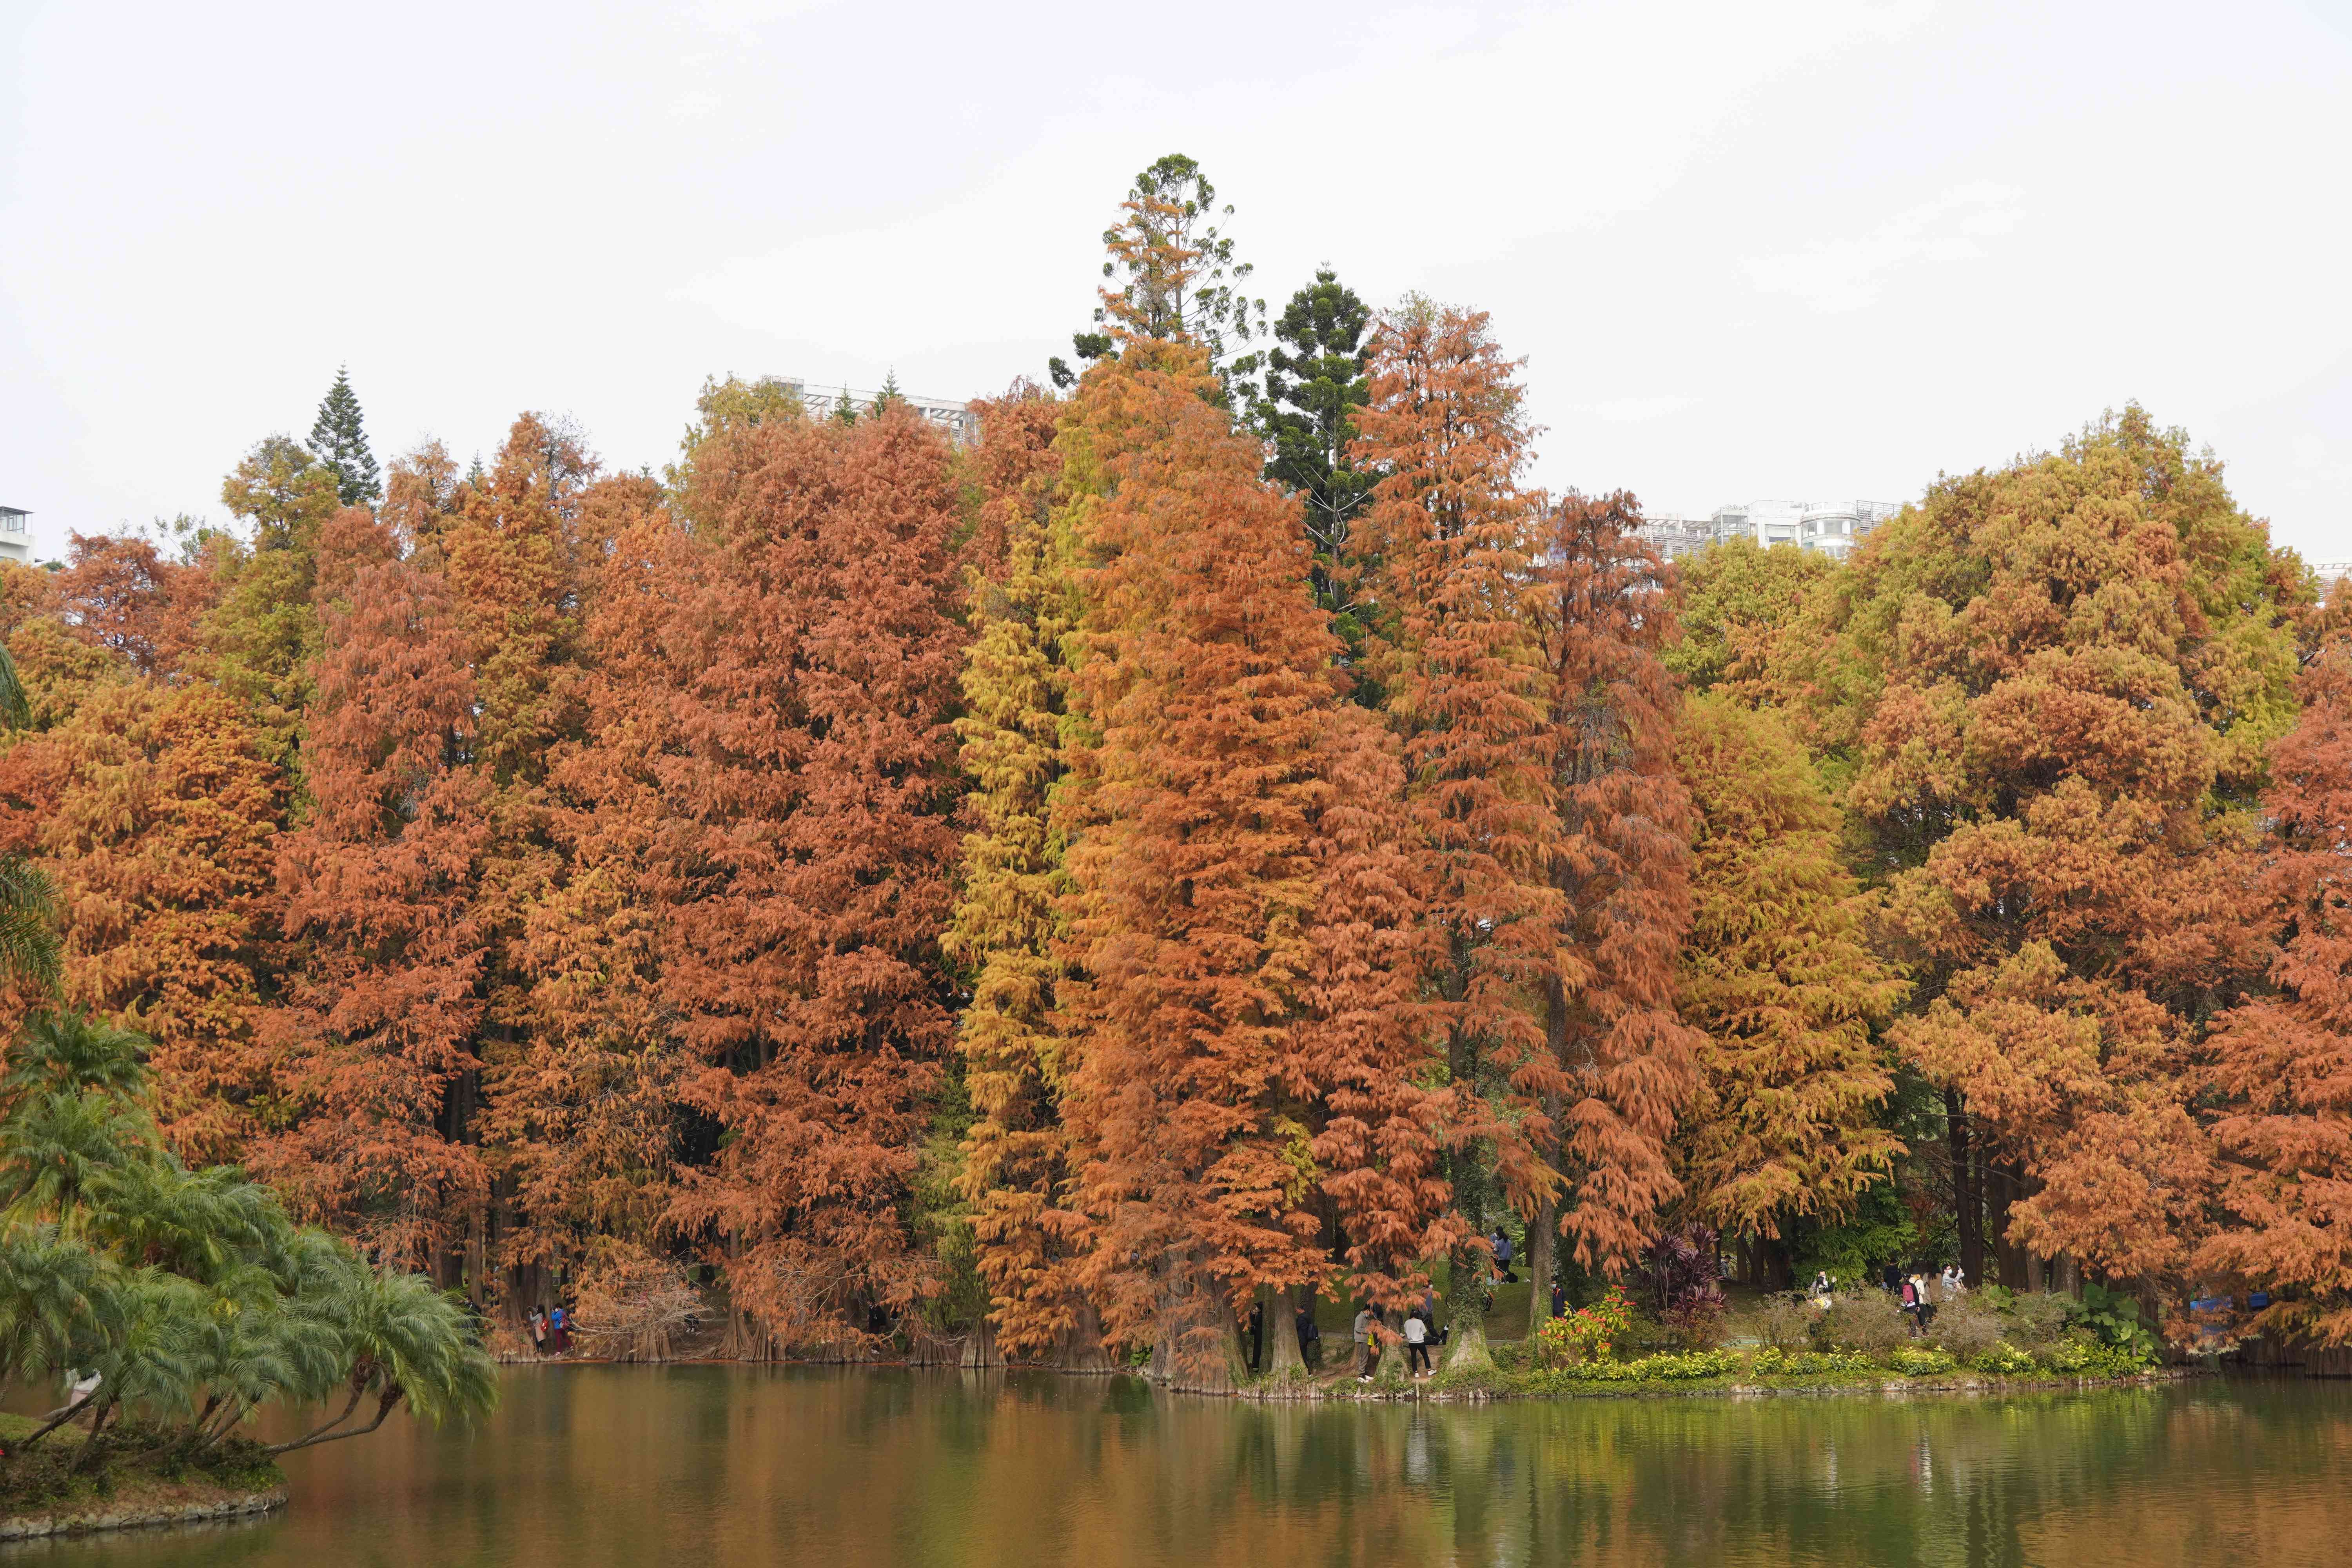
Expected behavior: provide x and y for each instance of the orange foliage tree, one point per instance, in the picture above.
(1233, 959)
(153, 811)
(2280, 1066)
(380, 1009)
(2069, 670)
(1464, 682)
(1620, 1064)
(809, 652)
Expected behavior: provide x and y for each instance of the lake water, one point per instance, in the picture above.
(591, 1465)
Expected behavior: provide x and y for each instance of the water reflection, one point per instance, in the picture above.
(723, 1466)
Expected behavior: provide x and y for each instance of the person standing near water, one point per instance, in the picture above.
(1416, 1346)
(1310, 1340)
(538, 1332)
(559, 1338)
(1364, 1342)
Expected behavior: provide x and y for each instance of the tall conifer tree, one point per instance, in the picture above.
(1454, 650)
(338, 441)
(1621, 1064)
(1008, 928)
(1777, 974)
(1315, 382)
(1222, 902)
(379, 1024)
(803, 853)
(2277, 1066)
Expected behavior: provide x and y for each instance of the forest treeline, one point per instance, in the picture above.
(1222, 835)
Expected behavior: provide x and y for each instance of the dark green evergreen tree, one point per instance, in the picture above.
(338, 439)
(1315, 382)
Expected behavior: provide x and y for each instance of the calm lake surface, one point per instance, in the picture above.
(710, 1464)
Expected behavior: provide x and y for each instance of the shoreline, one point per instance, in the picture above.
(1507, 1386)
(144, 1503)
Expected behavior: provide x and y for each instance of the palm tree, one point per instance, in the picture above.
(406, 1342)
(28, 937)
(55, 1149)
(72, 1053)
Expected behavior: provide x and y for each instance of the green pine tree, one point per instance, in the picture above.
(888, 395)
(338, 438)
(1314, 384)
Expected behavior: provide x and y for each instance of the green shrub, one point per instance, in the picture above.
(2113, 1318)
(2003, 1359)
(1668, 1367)
(2037, 1321)
(1922, 1363)
(1809, 1363)
(2080, 1354)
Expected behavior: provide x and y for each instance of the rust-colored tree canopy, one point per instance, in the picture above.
(958, 893)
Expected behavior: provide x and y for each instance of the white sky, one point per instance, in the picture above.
(1808, 248)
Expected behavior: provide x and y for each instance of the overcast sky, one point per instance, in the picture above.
(1802, 250)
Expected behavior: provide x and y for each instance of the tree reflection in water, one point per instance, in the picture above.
(722, 1465)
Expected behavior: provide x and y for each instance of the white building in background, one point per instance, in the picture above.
(957, 419)
(16, 538)
(1832, 527)
(2327, 571)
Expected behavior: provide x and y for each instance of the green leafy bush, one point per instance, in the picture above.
(189, 1294)
(1922, 1363)
(2037, 1321)
(2003, 1359)
(1668, 1367)
(1809, 1363)
(2113, 1318)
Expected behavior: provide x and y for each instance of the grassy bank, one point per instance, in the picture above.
(41, 1493)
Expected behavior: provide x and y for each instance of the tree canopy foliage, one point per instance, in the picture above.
(1209, 842)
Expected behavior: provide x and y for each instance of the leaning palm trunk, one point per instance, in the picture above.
(384, 1407)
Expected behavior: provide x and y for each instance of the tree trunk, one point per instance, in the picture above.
(89, 1444)
(1282, 1363)
(2018, 1271)
(1968, 1196)
(1198, 1350)
(2070, 1275)
(1543, 1247)
(1466, 1311)
(1082, 1351)
(1390, 1367)
(980, 1352)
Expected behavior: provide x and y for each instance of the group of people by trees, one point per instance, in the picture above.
(1222, 837)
